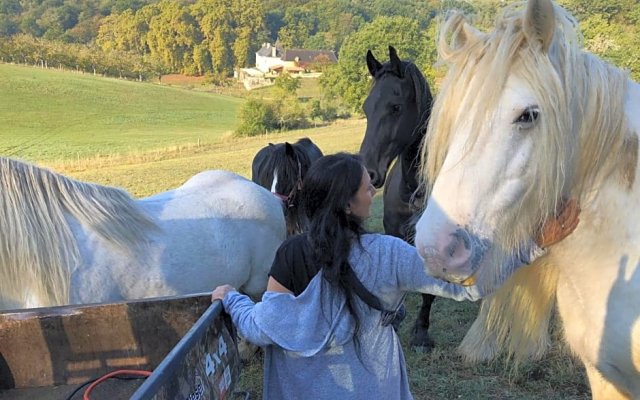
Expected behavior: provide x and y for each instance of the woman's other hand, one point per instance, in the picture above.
(220, 292)
(554, 230)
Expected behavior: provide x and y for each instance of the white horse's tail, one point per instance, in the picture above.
(516, 318)
(37, 248)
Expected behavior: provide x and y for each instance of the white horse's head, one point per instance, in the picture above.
(510, 136)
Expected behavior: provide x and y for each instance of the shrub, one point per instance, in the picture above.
(327, 113)
(256, 117)
(290, 114)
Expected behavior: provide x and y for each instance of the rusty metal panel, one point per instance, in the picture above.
(205, 364)
(71, 344)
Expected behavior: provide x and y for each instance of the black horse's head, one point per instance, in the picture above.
(281, 168)
(397, 110)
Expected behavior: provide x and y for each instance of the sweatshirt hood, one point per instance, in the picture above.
(315, 320)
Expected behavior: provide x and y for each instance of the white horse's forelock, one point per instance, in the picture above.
(34, 207)
(573, 155)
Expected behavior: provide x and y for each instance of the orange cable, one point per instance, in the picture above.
(111, 374)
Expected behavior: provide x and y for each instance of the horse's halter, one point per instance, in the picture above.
(288, 199)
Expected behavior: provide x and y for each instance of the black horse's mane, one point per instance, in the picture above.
(414, 190)
(292, 161)
(289, 171)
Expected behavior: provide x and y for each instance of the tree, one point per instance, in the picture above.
(172, 35)
(256, 117)
(10, 7)
(8, 26)
(299, 25)
(215, 20)
(249, 25)
(349, 79)
(287, 84)
(201, 60)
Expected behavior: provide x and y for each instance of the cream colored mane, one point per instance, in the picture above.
(38, 250)
(578, 139)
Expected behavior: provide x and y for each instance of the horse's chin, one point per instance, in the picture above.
(437, 269)
(471, 280)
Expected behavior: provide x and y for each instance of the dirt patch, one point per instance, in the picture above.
(182, 80)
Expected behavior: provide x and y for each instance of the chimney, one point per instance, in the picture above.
(273, 51)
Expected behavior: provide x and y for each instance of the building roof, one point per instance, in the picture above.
(309, 56)
(267, 50)
(300, 56)
(253, 72)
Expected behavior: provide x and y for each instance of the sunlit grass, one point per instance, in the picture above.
(52, 115)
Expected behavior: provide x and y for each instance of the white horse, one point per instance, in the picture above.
(523, 120)
(69, 242)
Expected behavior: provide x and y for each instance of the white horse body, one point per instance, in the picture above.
(216, 228)
(598, 291)
(551, 123)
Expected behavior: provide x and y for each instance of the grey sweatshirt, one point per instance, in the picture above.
(310, 351)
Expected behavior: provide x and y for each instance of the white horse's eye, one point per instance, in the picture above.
(528, 116)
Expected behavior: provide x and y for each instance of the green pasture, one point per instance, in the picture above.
(147, 138)
(145, 174)
(52, 115)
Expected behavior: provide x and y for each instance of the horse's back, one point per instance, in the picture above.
(217, 228)
(219, 193)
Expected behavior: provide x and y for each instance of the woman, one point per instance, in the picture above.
(322, 320)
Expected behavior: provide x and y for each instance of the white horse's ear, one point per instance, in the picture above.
(539, 22)
(457, 32)
(468, 33)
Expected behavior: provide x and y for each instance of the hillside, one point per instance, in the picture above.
(52, 115)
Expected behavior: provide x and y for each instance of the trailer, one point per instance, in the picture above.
(57, 352)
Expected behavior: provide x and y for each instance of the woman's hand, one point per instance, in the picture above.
(554, 230)
(221, 291)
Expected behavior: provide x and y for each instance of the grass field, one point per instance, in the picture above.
(163, 161)
(51, 115)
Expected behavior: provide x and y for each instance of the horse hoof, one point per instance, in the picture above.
(422, 344)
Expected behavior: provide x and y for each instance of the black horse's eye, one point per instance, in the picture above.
(396, 108)
(528, 116)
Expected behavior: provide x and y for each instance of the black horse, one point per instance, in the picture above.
(280, 168)
(397, 110)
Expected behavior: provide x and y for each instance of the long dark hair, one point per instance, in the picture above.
(329, 186)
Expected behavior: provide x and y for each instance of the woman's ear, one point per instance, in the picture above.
(348, 209)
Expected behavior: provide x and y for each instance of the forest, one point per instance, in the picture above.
(144, 39)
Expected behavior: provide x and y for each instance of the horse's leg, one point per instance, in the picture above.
(420, 329)
(246, 350)
(601, 389)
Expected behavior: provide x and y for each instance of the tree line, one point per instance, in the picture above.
(611, 29)
(144, 38)
(193, 37)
